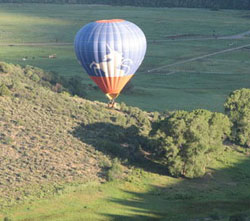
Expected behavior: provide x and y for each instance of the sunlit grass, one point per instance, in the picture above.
(144, 195)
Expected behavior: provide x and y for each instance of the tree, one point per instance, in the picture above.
(237, 107)
(187, 140)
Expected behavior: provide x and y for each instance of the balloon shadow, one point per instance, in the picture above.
(124, 143)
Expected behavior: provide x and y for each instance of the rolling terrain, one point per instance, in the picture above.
(90, 162)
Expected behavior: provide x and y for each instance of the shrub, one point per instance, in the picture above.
(237, 107)
(123, 107)
(104, 162)
(5, 68)
(4, 90)
(76, 87)
(57, 88)
(35, 77)
(115, 172)
(185, 140)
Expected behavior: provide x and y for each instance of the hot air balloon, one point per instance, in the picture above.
(110, 51)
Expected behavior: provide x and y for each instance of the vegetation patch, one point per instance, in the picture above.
(5, 68)
(4, 90)
(187, 140)
(237, 107)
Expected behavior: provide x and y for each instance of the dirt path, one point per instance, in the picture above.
(237, 36)
(199, 57)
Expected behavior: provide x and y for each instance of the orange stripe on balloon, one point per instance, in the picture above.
(110, 21)
(111, 85)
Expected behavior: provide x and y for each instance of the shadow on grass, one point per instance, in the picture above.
(121, 142)
(220, 195)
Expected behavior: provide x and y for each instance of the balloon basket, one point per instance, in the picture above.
(112, 97)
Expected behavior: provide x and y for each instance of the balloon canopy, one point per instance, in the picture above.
(110, 51)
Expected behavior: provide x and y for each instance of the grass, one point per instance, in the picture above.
(143, 195)
(200, 84)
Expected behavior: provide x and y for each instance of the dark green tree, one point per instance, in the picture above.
(237, 107)
(187, 140)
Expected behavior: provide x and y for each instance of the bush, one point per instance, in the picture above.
(35, 77)
(237, 107)
(4, 90)
(186, 140)
(141, 117)
(76, 87)
(5, 68)
(116, 171)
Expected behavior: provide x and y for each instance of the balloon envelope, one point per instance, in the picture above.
(110, 51)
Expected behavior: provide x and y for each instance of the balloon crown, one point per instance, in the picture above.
(110, 21)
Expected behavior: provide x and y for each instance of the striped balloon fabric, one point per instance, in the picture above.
(110, 51)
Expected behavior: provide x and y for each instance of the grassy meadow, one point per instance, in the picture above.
(198, 84)
(144, 195)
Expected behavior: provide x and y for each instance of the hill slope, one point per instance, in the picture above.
(43, 133)
(52, 144)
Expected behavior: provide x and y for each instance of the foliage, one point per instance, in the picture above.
(141, 117)
(75, 86)
(56, 82)
(116, 171)
(237, 107)
(4, 90)
(5, 68)
(187, 140)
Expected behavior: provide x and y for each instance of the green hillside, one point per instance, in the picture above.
(40, 132)
(93, 163)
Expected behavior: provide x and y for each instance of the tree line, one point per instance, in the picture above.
(212, 4)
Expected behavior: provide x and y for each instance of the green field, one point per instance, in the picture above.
(196, 84)
(143, 195)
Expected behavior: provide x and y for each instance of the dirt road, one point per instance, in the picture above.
(200, 57)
